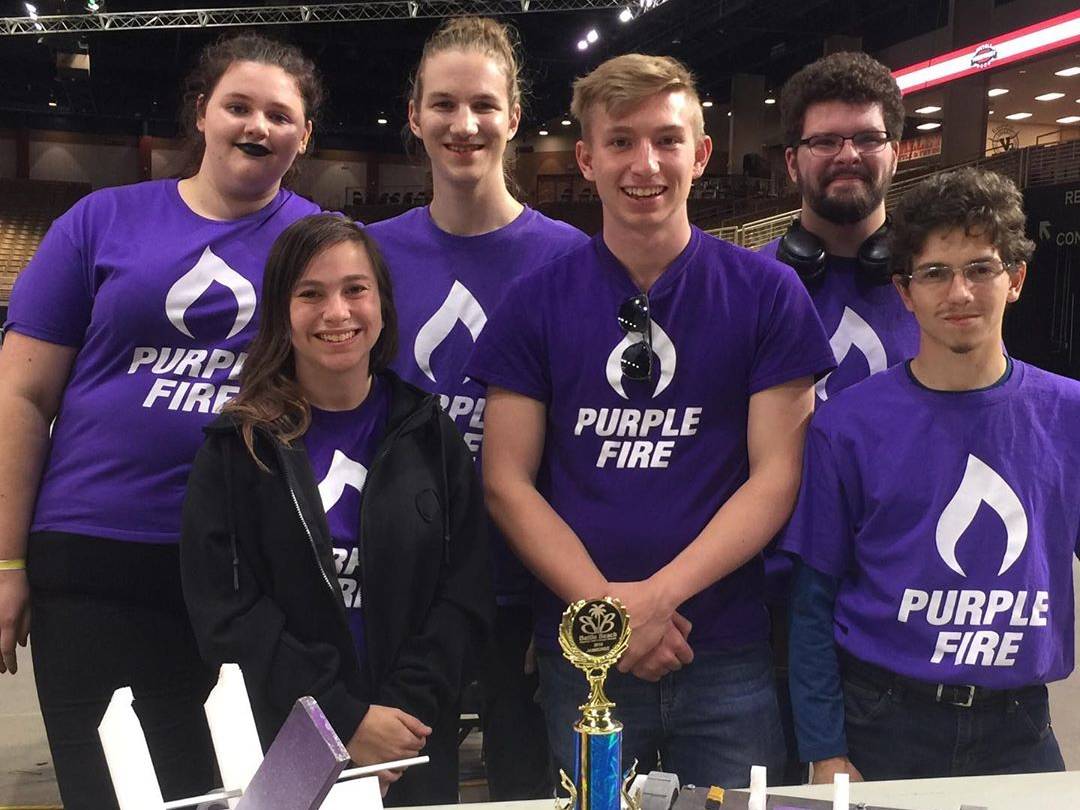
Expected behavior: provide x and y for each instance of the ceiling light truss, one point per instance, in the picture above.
(291, 15)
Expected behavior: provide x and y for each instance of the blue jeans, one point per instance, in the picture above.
(708, 722)
(893, 735)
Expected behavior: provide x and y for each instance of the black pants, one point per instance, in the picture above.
(107, 614)
(895, 733)
(516, 752)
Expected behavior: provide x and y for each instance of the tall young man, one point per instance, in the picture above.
(648, 394)
(842, 118)
(937, 520)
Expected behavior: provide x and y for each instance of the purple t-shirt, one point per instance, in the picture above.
(445, 289)
(637, 469)
(951, 519)
(341, 445)
(870, 330)
(160, 303)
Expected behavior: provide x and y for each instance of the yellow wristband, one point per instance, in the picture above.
(12, 565)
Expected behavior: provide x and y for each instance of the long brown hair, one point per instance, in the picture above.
(270, 397)
(217, 58)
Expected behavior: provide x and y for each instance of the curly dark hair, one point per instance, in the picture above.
(977, 200)
(217, 58)
(851, 77)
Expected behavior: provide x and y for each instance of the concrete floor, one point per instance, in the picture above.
(26, 776)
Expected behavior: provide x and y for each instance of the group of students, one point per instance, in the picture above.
(269, 424)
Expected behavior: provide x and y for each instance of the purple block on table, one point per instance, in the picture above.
(301, 766)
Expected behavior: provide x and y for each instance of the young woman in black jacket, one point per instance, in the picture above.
(333, 526)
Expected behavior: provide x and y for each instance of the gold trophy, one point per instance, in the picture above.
(593, 634)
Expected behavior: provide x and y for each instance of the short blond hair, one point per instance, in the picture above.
(621, 83)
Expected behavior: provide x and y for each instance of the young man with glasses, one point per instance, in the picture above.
(842, 118)
(937, 520)
(647, 400)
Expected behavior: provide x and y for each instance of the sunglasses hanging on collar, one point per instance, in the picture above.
(634, 319)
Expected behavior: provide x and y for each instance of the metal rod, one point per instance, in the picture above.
(209, 797)
(367, 770)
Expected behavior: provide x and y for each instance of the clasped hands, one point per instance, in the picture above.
(658, 633)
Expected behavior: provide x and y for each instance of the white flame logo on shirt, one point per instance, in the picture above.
(190, 286)
(460, 305)
(981, 484)
(853, 331)
(662, 347)
(343, 472)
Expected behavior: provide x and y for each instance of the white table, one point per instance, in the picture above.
(1042, 791)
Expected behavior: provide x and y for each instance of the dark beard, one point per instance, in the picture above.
(845, 210)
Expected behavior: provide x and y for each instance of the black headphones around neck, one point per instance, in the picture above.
(805, 253)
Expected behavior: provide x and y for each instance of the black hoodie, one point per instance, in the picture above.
(261, 587)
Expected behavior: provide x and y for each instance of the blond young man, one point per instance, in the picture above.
(647, 398)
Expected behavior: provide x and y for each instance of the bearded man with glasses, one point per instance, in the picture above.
(647, 398)
(937, 520)
(842, 117)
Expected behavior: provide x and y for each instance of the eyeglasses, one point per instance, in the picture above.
(979, 272)
(830, 145)
(634, 319)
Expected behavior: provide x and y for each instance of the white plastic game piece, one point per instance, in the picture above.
(841, 791)
(133, 776)
(232, 728)
(757, 788)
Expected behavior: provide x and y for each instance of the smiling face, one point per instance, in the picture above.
(254, 126)
(643, 161)
(335, 317)
(464, 116)
(960, 316)
(847, 187)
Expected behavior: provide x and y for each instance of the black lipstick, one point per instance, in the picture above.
(253, 149)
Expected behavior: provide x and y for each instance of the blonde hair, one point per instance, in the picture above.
(482, 35)
(622, 83)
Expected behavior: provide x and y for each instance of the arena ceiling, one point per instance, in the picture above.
(135, 75)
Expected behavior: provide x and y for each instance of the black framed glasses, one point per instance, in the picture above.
(634, 319)
(830, 144)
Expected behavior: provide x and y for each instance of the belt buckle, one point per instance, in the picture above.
(962, 704)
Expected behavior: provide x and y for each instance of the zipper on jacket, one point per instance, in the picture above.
(307, 531)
